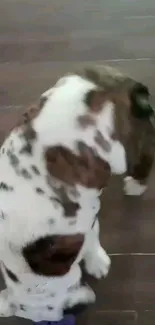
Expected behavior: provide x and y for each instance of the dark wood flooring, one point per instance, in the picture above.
(41, 39)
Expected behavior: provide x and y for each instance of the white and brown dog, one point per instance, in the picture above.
(53, 167)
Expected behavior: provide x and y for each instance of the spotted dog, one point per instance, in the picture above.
(53, 167)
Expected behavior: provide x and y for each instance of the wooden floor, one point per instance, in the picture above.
(39, 40)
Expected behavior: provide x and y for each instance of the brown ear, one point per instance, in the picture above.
(53, 255)
(95, 100)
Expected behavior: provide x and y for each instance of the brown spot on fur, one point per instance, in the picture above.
(27, 149)
(14, 160)
(51, 221)
(102, 142)
(53, 255)
(85, 120)
(31, 113)
(11, 275)
(2, 215)
(22, 307)
(5, 187)
(42, 102)
(39, 190)
(29, 134)
(85, 168)
(35, 170)
(52, 295)
(25, 173)
(70, 207)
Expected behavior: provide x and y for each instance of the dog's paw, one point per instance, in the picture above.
(83, 295)
(98, 264)
(133, 187)
(6, 309)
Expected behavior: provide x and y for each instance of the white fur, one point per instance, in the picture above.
(133, 187)
(27, 214)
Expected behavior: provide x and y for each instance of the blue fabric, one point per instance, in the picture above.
(67, 320)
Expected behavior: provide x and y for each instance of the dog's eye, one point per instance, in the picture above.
(143, 101)
(140, 103)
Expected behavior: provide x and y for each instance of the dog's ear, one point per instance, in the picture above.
(140, 104)
(53, 255)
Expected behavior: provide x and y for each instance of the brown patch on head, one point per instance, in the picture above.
(70, 207)
(85, 168)
(53, 255)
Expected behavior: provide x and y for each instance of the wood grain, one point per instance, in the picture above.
(39, 41)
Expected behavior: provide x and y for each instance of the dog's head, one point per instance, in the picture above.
(94, 119)
(134, 118)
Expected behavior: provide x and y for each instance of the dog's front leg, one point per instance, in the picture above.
(97, 262)
(7, 308)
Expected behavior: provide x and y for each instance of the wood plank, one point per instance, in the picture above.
(125, 317)
(21, 84)
(109, 40)
(64, 9)
(146, 318)
(100, 40)
(130, 284)
(107, 30)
